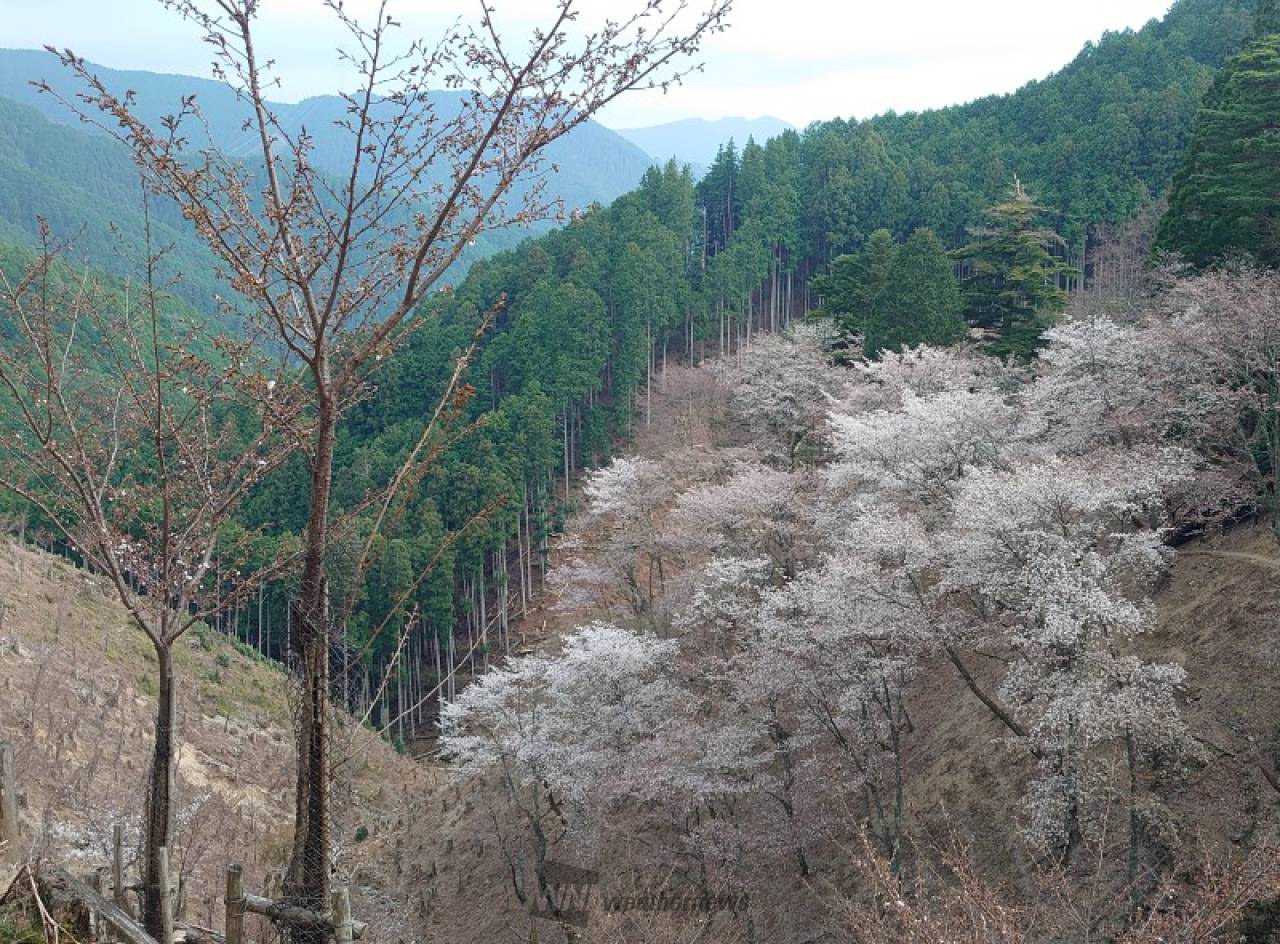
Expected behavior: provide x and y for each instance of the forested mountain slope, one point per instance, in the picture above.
(590, 310)
(848, 686)
(597, 165)
(1094, 139)
(88, 192)
(1092, 142)
(420, 851)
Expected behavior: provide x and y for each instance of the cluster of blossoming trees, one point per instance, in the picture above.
(780, 614)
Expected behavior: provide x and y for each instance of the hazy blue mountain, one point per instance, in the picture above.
(695, 140)
(596, 164)
(84, 184)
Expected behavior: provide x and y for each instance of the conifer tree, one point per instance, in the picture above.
(1266, 20)
(1011, 278)
(856, 281)
(1226, 196)
(920, 303)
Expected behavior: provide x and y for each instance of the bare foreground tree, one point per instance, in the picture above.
(332, 268)
(138, 458)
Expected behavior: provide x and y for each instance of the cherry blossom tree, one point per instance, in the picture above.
(566, 735)
(626, 518)
(838, 649)
(920, 451)
(878, 384)
(139, 457)
(783, 385)
(759, 509)
(1058, 558)
(1228, 336)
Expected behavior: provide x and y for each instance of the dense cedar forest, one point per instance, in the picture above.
(855, 333)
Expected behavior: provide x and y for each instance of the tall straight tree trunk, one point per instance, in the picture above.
(307, 879)
(648, 382)
(160, 790)
(566, 454)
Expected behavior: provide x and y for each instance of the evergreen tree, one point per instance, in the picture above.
(718, 194)
(920, 303)
(1226, 195)
(1011, 278)
(852, 289)
(1267, 18)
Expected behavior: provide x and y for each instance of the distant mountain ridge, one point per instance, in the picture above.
(53, 165)
(597, 165)
(696, 140)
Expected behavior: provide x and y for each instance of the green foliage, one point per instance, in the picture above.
(16, 928)
(1095, 140)
(678, 266)
(203, 636)
(1226, 196)
(1011, 280)
(920, 303)
(86, 188)
(851, 291)
(1266, 19)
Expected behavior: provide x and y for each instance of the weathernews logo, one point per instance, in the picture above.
(576, 890)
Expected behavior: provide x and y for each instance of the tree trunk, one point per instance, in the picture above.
(307, 880)
(160, 790)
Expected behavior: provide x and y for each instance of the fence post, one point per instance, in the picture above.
(99, 930)
(118, 894)
(166, 899)
(343, 932)
(9, 835)
(235, 905)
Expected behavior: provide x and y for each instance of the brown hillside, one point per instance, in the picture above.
(76, 704)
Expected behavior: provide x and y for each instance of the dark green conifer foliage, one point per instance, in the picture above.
(1226, 196)
(1267, 18)
(921, 301)
(1011, 278)
(856, 281)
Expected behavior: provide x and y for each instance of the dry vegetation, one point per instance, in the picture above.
(77, 702)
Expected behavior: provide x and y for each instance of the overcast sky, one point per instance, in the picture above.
(798, 60)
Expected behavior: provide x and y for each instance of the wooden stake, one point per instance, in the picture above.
(342, 930)
(166, 899)
(9, 834)
(235, 905)
(117, 869)
(99, 930)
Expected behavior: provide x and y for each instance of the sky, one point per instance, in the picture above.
(798, 60)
